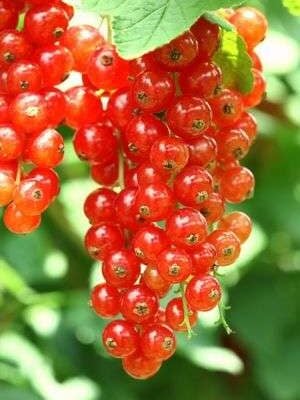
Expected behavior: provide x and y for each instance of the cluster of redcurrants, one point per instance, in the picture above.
(32, 62)
(180, 135)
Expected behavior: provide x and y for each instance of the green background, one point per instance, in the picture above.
(49, 338)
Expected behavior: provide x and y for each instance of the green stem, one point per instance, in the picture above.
(222, 319)
(186, 320)
(108, 27)
(121, 169)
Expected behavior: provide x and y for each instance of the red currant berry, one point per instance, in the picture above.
(11, 143)
(107, 70)
(147, 200)
(120, 338)
(56, 106)
(139, 304)
(227, 108)
(213, 208)
(24, 76)
(82, 41)
(248, 124)
(203, 293)
(142, 64)
(207, 35)
(175, 315)
(140, 367)
(153, 280)
(8, 15)
(9, 168)
(120, 108)
(126, 209)
(99, 206)
(203, 259)
(83, 107)
(203, 151)
(105, 300)
(256, 61)
(187, 228)
(7, 188)
(19, 223)
(45, 24)
(257, 93)
(237, 184)
(121, 268)
(193, 185)
(147, 175)
(227, 245)
(158, 341)
(48, 177)
(13, 47)
(4, 106)
(251, 24)
(233, 144)
(203, 80)
(189, 116)
(179, 53)
(237, 222)
(174, 265)
(105, 174)
(169, 155)
(153, 91)
(148, 242)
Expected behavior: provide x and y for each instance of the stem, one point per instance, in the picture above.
(186, 319)
(19, 173)
(108, 27)
(222, 319)
(121, 169)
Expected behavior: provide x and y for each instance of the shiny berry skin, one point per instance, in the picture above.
(179, 53)
(105, 174)
(11, 143)
(186, 228)
(9, 168)
(82, 41)
(153, 280)
(48, 177)
(19, 223)
(140, 134)
(169, 155)
(139, 304)
(13, 47)
(24, 76)
(193, 185)
(146, 174)
(102, 239)
(139, 366)
(202, 79)
(56, 105)
(203, 259)
(233, 144)
(189, 116)
(121, 268)
(83, 107)
(28, 112)
(237, 222)
(130, 176)
(158, 341)
(120, 338)
(7, 188)
(251, 24)
(45, 149)
(175, 315)
(213, 208)
(237, 184)
(248, 124)
(149, 197)
(106, 69)
(257, 93)
(174, 265)
(120, 108)
(227, 108)
(256, 61)
(45, 24)
(126, 212)
(203, 293)
(152, 91)
(141, 64)
(207, 35)
(227, 245)
(8, 15)
(99, 206)
(203, 151)
(95, 143)
(4, 106)
(55, 62)
(148, 242)
(105, 300)
(32, 197)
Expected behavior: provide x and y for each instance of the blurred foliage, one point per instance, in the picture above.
(49, 338)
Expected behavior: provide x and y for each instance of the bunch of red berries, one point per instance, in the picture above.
(32, 62)
(170, 142)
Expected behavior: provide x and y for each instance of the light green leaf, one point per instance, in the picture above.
(139, 27)
(233, 59)
(293, 6)
(216, 18)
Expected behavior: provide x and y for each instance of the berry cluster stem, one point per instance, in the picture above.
(186, 320)
(222, 319)
(121, 169)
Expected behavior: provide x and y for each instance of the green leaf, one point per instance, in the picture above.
(293, 6)
(139, 27)
(233, 59)
(216, 18)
